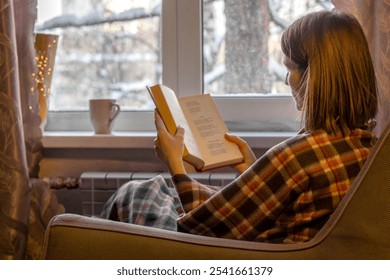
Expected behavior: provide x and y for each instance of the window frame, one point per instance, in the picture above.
(182, 71)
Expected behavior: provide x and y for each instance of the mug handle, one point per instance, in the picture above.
(117, 110)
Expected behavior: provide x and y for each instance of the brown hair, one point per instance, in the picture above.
(338, 76)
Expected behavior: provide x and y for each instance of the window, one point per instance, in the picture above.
(242, 60)
(241, 44)
(106, 49)
(112, 48)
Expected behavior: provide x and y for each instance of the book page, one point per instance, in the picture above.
(209, 130)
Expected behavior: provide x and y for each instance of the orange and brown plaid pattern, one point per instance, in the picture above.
(286, 196)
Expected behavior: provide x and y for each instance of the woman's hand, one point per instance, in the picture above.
(169, 149)
(249, 156)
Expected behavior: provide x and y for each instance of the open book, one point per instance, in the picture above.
(205, 146)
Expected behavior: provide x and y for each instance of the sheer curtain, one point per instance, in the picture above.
(374, 16)
(14, 180)
(26, 203)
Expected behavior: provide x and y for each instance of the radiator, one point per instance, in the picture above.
(97, 187)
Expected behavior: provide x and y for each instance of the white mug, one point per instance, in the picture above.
(102, 113)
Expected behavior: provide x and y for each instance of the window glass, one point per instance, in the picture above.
(106, 49)
(241, 43)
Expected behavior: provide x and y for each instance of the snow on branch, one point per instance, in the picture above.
(95, 18)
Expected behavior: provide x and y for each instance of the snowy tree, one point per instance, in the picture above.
(109, 53)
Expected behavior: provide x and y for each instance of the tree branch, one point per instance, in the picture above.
(275, 18)
(96, 18)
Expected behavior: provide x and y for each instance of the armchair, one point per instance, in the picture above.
(358, 229)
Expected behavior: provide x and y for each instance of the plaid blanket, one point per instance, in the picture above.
(148, 202)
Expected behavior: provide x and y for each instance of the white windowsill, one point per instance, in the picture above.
(129, 140)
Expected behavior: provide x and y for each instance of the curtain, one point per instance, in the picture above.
(374, 16)
(14, 179)
(25, 13)
(26, 203)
